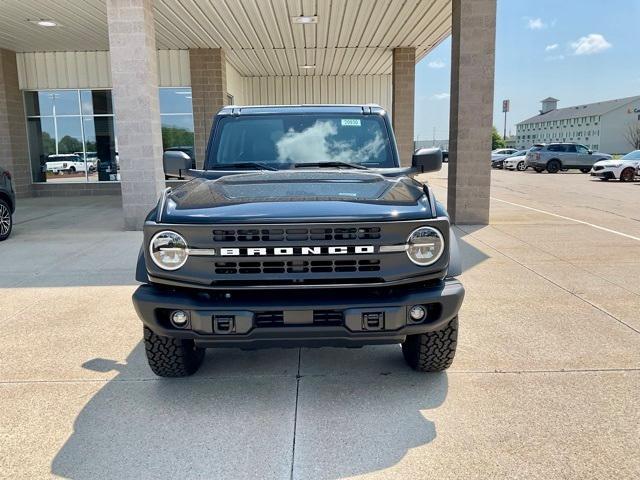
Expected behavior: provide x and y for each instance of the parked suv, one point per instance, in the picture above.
(65, 163)
(303, 230)
(7, 204)
(563, 156)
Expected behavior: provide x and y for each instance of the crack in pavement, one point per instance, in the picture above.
(597, 307)
(563, 260)
(295, 416)
(334, 375)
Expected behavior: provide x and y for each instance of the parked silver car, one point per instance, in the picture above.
(563, 156)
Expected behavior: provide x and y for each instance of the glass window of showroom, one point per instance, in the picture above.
(73, 134)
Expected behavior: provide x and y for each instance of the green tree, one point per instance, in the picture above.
(69, 144)
(48, 144)
(496, 139)
(176, 137)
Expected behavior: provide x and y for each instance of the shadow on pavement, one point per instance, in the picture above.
(198, 427)
(350, 426)
(215, 425)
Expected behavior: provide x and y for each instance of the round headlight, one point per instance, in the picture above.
(168, 250)
(425, 246)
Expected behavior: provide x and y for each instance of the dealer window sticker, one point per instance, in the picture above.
(350, 122)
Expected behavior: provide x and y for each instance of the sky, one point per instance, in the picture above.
(578, 51)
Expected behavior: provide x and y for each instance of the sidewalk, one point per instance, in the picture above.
(545, 383)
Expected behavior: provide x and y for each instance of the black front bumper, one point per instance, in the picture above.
(603, 174)
(312, 318)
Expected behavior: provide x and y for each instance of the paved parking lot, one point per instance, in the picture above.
(545, 384)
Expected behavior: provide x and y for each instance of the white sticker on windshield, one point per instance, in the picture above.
(350, 122)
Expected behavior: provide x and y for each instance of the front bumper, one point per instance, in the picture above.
(350, 318)
(604, 173)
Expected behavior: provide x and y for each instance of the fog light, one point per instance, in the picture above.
(179, 318)
(417, 313)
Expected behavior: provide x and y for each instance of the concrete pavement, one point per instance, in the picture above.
(544, 385)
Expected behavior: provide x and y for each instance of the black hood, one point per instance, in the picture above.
(296, 195)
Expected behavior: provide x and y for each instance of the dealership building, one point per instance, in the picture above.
(602, 126)
(106, 85)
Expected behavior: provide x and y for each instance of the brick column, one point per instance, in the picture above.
(13, 129)
(134, 74)
(208, 92)
(403, 80)
(472, 69)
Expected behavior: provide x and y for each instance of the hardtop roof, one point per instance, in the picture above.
(308, 108)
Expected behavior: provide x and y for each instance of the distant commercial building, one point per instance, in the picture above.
(600, 126)
(511, 141)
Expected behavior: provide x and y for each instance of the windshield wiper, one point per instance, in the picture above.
(247, 165)
(332, 164)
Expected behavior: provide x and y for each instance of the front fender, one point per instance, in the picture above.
(141, 268)
(455, 258)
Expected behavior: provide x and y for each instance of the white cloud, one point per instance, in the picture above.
(441, 96)
(436, 64)
(592, 43)
(551, 47)
(536, 24)
(319, 142)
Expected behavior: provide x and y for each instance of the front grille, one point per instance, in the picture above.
(297, 234)
(269, 319)
(297, 266)
(326, 318)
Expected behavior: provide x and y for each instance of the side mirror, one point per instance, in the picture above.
(176, 163)
(427, 160)
(590, 152)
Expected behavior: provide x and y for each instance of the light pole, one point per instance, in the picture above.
(505, 109)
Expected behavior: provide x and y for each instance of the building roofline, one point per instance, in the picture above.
(565, 112)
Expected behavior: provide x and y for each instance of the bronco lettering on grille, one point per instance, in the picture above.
(296, 251)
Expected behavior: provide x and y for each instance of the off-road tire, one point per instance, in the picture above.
(628, 174)
(553, 166)
(432, 351)
(172, 357)
(6, 220)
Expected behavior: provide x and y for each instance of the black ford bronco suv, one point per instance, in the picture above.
(302, 230)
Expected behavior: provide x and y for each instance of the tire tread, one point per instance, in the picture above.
(171, 357)
(432, 351)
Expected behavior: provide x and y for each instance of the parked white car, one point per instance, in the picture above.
(502, 153)
(516, 161)
(65, 163)
(624, 169)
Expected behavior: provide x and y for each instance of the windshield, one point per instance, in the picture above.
(635, 155)
(285, 140)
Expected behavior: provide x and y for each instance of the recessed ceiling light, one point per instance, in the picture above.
(44, 23)
(307, 67)
(305, 19)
